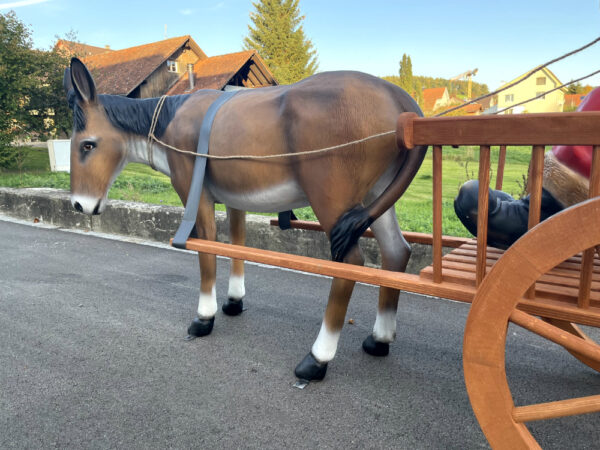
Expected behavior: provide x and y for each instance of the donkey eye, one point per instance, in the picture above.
(88, 146)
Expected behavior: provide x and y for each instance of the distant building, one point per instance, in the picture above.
(435, 98)
(572, 101)
(164, 67)
(541, 81)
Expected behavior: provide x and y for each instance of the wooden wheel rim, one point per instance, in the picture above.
(497, 297)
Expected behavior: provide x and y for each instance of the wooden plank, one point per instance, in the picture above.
(482, 210)
(577, 128)
(437, 214)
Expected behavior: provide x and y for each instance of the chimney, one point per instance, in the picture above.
(191, 75)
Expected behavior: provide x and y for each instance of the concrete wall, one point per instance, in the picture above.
(159, 223)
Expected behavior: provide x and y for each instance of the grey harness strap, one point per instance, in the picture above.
(188, 223)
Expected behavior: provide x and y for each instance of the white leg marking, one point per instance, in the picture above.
(207, 305)
(326, 344)
(385, 326)
(237, 290)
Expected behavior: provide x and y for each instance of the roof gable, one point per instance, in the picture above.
(217, 71)
(432, 95)
(121, 71)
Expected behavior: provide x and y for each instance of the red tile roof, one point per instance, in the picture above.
(573, 100)
(212, 73)
(78, 49)
(431, 95)
(121, 71)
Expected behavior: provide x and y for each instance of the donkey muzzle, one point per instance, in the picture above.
(87, 205)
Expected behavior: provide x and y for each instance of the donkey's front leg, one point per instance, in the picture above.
(314, 365)
(206, 228)
(237, 233)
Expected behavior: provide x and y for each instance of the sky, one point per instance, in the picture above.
(501, 38)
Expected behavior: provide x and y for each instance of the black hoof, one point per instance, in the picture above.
(310, 369)
(201, 327)
(233, 307)
(374, 348)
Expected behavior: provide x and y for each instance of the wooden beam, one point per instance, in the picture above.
(578, 128)
(411, 236)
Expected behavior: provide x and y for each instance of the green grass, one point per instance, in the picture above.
(140, 183)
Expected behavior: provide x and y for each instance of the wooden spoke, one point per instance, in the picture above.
(437, 214)
(561, 408)
(557, 335)
(575, 330)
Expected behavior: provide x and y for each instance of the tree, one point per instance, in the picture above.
(406, 75)
(278, 37)
(31, 96)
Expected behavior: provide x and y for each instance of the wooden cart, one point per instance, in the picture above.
(547, 282)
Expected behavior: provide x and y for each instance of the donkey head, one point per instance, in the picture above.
(98, 149)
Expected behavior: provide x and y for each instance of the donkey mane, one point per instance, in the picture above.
(133, 115)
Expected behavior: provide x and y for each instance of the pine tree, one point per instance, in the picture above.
(278, 37)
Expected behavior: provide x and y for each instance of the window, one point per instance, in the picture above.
(509, 98)
(540, 81)
(542, 96)
(172, 66)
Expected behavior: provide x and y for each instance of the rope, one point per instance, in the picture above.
(152, 137)
(530, 73)
(155, 115)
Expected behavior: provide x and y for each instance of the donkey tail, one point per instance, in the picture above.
(354, 222)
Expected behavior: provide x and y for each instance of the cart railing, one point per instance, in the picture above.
(535, 130)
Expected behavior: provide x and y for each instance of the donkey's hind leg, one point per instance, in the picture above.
(206, 228)
(314, 365)
(237, 233)
(395, 253)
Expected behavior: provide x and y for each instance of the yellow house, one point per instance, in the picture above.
(541, 81)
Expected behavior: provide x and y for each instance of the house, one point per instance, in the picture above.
(164, 67)
(244, 69)
(572, 101)
(541, 81)
(435, 98)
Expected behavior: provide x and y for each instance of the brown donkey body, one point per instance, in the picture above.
(325, 110)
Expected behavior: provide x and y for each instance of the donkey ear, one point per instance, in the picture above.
(67, 83)
(82, 80)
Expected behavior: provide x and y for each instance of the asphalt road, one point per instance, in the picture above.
(92, 356)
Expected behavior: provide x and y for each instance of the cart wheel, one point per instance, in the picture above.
(495, 305)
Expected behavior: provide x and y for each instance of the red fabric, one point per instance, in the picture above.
(579, 157)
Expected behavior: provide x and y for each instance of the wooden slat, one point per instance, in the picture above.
(500, 169)
(410, 236)
(577, 128)
(536, 169)
(437, 214)
(561, 408)
(482, 210)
